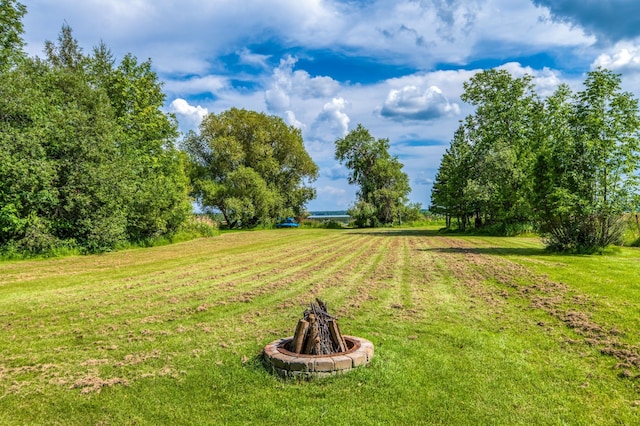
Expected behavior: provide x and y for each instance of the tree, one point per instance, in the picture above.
(11, 29)
(27, 177)
(450, 194)
(251, 167)
(78, 170)
(159, 184)
(589, 164)
(504, 135)
(384, 187)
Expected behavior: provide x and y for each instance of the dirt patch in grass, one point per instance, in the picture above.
(94, 384)
(474, 270)
(99, 332)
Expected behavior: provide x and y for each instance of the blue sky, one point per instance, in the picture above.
(395, 66)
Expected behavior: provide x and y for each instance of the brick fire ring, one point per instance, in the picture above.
(289, 364)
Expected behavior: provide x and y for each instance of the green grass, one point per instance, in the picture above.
(467, 330)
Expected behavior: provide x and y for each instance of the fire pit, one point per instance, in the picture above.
(318, 348)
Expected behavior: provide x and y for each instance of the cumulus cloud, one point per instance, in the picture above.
(413, 103)
(332, 122)
(611, 20)
(290, 119)
(546, 80)
(624, 58)
(277, 100)
(191, 115)
(455, 15)
(287, 83)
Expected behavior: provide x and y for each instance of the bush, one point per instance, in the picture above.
(585, 235)
(332, 224)
(196, 227)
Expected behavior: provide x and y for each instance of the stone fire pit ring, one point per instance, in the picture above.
(289, 364)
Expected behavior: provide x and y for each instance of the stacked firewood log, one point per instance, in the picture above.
(317, 333)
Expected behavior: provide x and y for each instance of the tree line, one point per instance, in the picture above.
(90, 161)
(86, 154)
(565, 166)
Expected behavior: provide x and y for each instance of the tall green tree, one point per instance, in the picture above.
(11, 30)
(27, 177)
(383, 186)
(76, 167)
(504, 133)
(589, 165)
(251, 167)
(81, 142)
(159, 184)
(452, 194)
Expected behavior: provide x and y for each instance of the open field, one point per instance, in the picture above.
(467, 330)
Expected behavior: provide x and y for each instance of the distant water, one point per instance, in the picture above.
(329, 213)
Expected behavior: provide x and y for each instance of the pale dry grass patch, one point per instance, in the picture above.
(184, 324)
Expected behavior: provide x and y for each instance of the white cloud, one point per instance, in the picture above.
(330, 196)
(191, 115)
(287, 83)
(624, 57)
(197, 85)
(290, 119)
(253, 59)
(277, 100)
(546, 80)
(332, 122)
(332, 190)
(413, 103)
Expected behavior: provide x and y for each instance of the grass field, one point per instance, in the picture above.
(467, 330)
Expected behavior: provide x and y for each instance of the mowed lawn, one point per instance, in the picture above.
(467, 330)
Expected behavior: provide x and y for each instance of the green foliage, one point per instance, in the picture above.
(453, 194)
(586, 175)
(632, 230)
(412, 213)
(196, 226)
(485, 175)
(11, 29)
(383, 186)
(503, 137)
(251, 167)
(76, 168)
(568, 163)
(467, 331)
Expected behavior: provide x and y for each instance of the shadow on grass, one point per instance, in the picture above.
(498, 251)
(400, 233)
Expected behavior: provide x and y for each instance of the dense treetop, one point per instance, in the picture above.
(251, 167)
(566, 166)
(87, 157)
